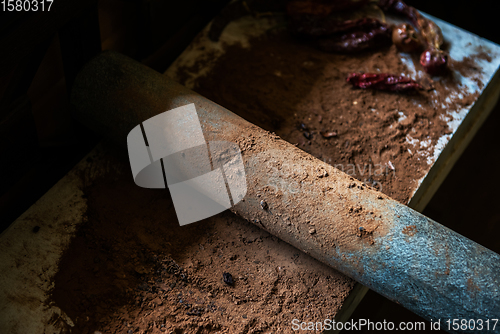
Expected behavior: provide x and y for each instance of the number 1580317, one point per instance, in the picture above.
(26, 5)
(472, 324)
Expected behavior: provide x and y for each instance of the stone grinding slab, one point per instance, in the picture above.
(44, 231)
(203, 57)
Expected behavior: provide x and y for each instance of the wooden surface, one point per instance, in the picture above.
(28, 259)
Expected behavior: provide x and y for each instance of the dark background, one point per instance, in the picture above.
(39, 142)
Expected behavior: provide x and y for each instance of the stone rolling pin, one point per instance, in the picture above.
(379, 242)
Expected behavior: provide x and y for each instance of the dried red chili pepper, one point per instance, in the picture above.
(345, 36)
(434, 60)
(311, 19)
(310, 27)
(377, 34)
(328, 27)
(383, 81)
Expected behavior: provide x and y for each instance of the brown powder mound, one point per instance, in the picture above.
(301, 93)
(132, 269)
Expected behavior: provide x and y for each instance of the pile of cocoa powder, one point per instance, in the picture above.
(132, 269)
